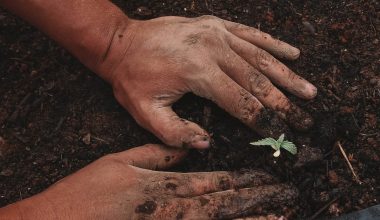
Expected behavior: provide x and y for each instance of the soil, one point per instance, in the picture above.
(56, 116)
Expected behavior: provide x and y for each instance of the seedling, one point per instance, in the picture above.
(277, 145)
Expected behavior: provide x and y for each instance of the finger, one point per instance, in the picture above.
(228, 204)
(262, 88)
(171, 129)
(263, 40)
(194, 184)
(152, 156)
(278, 73)
(237, 101)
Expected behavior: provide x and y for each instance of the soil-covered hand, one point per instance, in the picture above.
(228, 63)
(152, 63)
(119, 186)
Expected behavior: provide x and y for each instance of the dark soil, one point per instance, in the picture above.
(50, 103)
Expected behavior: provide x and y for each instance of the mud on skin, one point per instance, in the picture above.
(250, 201)
(175, 185)
(246, 178)
(147, 208)
(232, 197)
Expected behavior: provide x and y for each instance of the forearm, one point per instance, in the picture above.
(35, 207)
(89, 29)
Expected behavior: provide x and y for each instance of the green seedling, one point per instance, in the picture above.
(277, 145)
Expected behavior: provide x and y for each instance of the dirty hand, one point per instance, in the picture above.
(119, 186)
(152, 63)
(225, 62)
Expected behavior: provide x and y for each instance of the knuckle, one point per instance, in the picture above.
(212, 21)
(172, 209)
(222, 181)
(112, 166)
(253, 77)
(266, 89)
(278, 43)
(283, 104)
(172, 186)
(266, 35)
(261, 84)
(292, 77)
(238, 26)
(208, 38)
(247, 107)
(146, 208)
(264, 60)
(167, 185)
(209, 76)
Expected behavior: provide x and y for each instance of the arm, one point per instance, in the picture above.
(89, 29)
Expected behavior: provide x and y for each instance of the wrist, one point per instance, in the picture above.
(91, 30)
(115, 50)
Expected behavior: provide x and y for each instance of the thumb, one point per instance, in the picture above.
(152, 156)
(171, 129)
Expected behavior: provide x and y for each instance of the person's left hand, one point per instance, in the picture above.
(119, 186)
(162, 59)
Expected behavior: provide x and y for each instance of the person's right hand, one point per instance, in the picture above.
(228, 63)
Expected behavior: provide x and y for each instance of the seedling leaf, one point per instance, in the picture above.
(281, 138)
(289, 146)
(277, 145)
(266, 142)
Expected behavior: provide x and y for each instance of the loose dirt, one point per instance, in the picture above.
(56, 116)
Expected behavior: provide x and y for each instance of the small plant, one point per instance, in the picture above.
(277, 145)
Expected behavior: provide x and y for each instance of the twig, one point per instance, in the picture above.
(100, 139)
(20, 60)
(323, 208)
(367, 135)
(20, 138)
(206, 3)
(348, 162)
(18, 108)
(355, 121)
(373, 26)
(225, 139)
(293, 9)
(59, 125)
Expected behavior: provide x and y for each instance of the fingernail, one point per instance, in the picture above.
(201, 141)
(294, 53)
(310, 90)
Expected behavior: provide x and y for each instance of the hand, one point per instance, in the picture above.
(119, 186)
(220, 60)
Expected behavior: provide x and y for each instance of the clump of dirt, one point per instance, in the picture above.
(56, 116)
